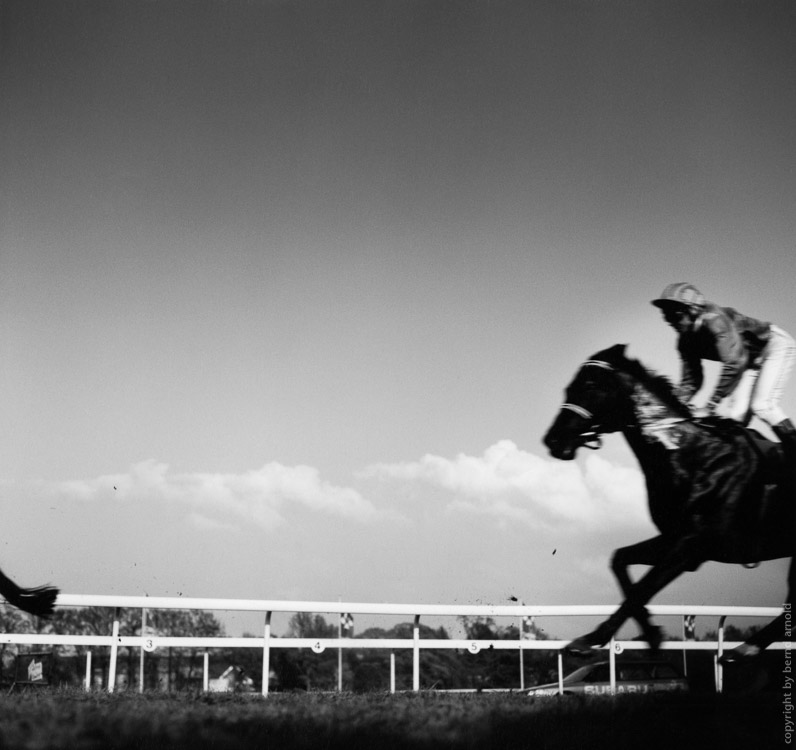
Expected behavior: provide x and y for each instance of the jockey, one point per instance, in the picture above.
(756, 358)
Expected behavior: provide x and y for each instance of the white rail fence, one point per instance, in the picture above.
(416, 644)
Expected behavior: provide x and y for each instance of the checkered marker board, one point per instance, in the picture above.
(346, 621)
(528, 629)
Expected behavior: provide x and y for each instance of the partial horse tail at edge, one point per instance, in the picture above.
(39, 601)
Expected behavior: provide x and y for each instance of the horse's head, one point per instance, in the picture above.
(590, 408)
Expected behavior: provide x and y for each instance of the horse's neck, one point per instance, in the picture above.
(654, 420)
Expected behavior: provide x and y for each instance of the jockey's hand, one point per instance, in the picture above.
(701, 412)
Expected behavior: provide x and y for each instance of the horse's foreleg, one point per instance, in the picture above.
(677, 559)
(648, 552)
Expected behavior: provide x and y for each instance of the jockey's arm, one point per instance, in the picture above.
(691, 376)
(731, 353)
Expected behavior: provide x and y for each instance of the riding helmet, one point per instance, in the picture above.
(680, 293)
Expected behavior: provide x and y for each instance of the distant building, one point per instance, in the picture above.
(232, 680)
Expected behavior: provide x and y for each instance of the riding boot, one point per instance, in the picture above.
(786, 433)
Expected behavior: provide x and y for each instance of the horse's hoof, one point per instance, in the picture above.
(746, 653)
(580, 648)
(654, 637)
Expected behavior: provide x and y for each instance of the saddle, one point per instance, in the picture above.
(770, 453)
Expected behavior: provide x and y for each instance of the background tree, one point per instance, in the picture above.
(369, 669)
(70, 661)
(500, 668)
(309, 625)
(12, 620)
(302, 669)
(439, 669)
(177, 668)
(731, 633)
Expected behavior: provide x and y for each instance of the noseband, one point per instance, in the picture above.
(590, 438)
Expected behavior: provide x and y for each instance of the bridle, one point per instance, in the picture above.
(590, 438)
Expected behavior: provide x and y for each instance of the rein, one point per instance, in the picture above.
(591, 438)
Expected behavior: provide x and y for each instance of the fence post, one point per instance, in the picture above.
(88, 670)
(114, 651)
(392, 671)
(719, 670)
(206, 671)
(141, 657)
(560, 673)
(612, 665)
(339, 653)
(522, 656)
(416, 655)
(266, 653)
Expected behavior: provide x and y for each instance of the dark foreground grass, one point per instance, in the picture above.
(87, 721)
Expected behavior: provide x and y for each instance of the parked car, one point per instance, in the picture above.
(632, 676)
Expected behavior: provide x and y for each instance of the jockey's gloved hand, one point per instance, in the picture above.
(700, 412)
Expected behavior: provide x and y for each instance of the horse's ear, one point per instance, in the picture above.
(618, 351)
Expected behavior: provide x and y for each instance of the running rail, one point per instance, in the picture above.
(148, 643)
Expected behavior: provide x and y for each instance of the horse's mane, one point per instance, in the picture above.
(658, 385)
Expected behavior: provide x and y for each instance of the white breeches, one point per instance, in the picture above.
(759, 391)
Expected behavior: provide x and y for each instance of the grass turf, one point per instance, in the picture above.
(73, 720)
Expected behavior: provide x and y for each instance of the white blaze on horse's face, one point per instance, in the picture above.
(577, 424)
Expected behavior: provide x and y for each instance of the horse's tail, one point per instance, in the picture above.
(39, 601)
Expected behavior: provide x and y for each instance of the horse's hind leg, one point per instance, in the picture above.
(779, 629)
(38, 601)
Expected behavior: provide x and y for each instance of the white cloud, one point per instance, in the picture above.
(617, 489)
(506, 484)
(204, 523)
(514, 485)
(262, 496)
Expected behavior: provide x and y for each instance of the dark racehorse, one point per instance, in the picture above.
(716, 491)
(38, 601)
